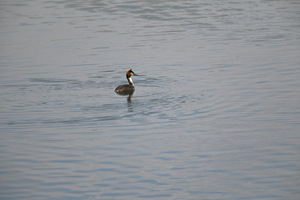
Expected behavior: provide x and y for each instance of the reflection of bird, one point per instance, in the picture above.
(127, 88)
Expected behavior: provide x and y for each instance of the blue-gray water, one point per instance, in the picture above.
(215, 114)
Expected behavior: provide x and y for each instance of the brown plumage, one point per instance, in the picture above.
(126, 89)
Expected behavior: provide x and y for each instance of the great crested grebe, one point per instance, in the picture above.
(127, 88)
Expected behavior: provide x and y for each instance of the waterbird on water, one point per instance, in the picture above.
(127, 88)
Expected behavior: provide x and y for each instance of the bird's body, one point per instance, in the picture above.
(127, 89)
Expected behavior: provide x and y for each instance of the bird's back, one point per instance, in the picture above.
(124, 89)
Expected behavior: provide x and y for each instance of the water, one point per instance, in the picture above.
(215, 114)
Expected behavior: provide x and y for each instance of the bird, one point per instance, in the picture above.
(127, 89)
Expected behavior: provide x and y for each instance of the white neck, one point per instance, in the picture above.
(130, 81)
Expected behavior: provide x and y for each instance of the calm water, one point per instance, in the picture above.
(215, 115)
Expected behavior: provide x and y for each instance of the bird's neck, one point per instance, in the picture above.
(130, 80)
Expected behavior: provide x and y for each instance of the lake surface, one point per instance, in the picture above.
(215, 114)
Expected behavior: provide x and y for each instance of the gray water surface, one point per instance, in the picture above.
(215, 114)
